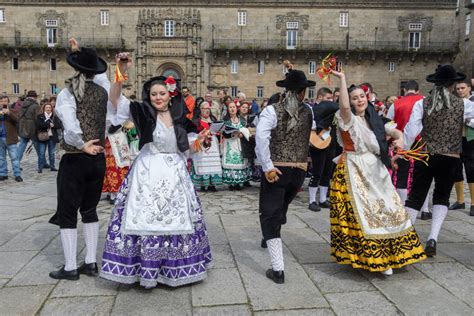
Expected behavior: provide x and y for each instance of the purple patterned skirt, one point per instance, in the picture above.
(173, 260)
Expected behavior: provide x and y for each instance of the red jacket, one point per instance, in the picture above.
(403, 109)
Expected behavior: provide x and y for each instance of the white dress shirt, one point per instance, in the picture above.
(266, 122)
(66, 111)
(415, 124)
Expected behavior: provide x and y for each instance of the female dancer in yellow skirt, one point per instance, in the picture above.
(370, 228)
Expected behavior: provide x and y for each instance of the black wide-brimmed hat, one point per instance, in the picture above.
(445, 73)
(295, 79)
(86, 60)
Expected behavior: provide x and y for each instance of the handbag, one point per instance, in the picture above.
(43, 136)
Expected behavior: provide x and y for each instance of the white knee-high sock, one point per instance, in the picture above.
(424, 208)
(412, 213)
(91, 237)
(439, 214)
(69, 241)
(275, 249)
(403, 194)
(323, 194)
(312, 194)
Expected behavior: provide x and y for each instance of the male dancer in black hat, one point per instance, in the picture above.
(82, 108)
(439, 118)
(282, 142)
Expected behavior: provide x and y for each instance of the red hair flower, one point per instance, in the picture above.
(171, 86)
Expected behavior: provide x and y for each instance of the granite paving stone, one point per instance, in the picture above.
(79, 306)
(298, 312)
(454, 277)
(311, 253)
(462, 252)
(35, 272)
(158, 301)
(12, 262)
(234, 310)
(361, 303)
(85, 286)
(411, 296)
(333, 278)
(29, 240)
(222, 256)
(222, 287)
(23, 300)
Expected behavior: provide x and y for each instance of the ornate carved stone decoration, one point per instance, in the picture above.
(303, 21)
(404, 21)
(51, 15)
(181, 50)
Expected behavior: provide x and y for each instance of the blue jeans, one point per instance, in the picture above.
(42, 153)
(22, 146)
(13, 153)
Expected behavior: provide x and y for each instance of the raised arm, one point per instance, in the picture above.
(344, 103)
(124, 62)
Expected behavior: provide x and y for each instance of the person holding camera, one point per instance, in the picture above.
(8, 140)
(47, 124)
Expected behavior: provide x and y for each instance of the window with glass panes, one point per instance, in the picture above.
(104, 17)
(169, 28)
(234, 66)
(312, 67)
(261, 67)
(242, 18)
(344, 19)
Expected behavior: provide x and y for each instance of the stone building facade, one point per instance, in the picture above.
(465, 57)
(236, 45)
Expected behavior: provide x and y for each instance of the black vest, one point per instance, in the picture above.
(91, 113)
(291, 146)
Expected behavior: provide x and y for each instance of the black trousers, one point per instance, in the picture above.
(402, 174)
(275, 199)
(321, 160)
(440, 168)
(467, 159)
(80, 179)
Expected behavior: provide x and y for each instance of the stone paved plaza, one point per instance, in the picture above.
(30, 248)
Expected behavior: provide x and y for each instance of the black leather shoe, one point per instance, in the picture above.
(46, 166)
(457, 206)
(203, 189)
(276, 276)
(247, 184)
(3, 178)
(314, 207)
(40, 170)
(263, 244)
(62, 274)
(54, 169)
(430, 248)
(231, 188)
(324, 204)
(426, 215)
(89, 269)
(471, 212)
(18, 179)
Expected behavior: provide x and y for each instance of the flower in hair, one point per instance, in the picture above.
(171, 86)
